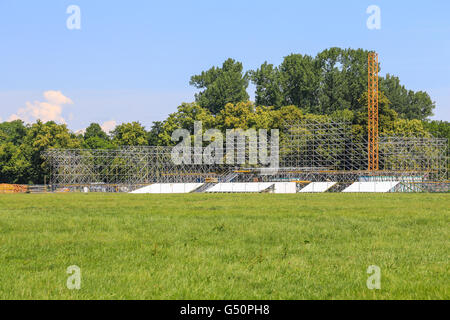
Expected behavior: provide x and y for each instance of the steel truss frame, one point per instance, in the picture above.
(310, 150)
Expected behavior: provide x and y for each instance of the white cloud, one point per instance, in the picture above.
(108, 126)
(56, 97)
(50, 110)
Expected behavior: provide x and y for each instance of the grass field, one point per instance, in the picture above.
(229, 246)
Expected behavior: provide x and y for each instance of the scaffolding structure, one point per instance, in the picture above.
(314, 149)
(310, 150)
(322, 144)
(124, 166)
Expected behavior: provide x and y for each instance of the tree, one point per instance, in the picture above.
(244, 115)
(153, 134)
(97, 143)
(332, 91)
(129, 134)
(95, 130)
(184, 118)
(439, 129)
(284, 115)
(407, 103)
(268, 86)
(300, 81)
(420, 106)
(406, 128)
(334, 80)
(14, 166)
(386, 115)
(222, 85)
(42, 136)
(354, 73)
(13, 131)
(96, 138)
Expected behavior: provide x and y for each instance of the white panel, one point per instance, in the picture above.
(240, 187)
(371, 186)
(145, 189)
(318, 187)
(285, 187)
(169, 188)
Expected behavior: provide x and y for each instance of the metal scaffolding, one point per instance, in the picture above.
(310, 150)
(124, 166)
(322, 144)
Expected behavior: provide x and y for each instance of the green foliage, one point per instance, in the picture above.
(437, 128)
(406, 128)
(268, 85)
(97, 143)
(14, 166)
(335, 79)
(221, 86)
(21, 149)
(386, 115)
(95, 130)
(354, 71)
(243, 115)
(153, 134)
(299, 81)
(285, 114)
(13, 131)
(50, 135)
(407, 103)
(184, 118)
(129, 134)
(96, 138)
(42, 136)
(332, 92)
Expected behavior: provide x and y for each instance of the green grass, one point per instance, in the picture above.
(229, 246)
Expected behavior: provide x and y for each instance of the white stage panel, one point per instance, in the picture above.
(285, 187)
(318, 187)
(240, 187)
(371, 186)
(169, 188)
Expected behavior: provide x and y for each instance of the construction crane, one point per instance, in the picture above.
(372, 97)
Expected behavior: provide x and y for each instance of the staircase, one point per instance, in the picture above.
(226, 177)
(338, 187)
(204, 187)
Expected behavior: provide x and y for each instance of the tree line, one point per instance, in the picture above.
(332, 85)
(336, 79)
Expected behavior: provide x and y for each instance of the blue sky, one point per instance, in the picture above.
(132, 60)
